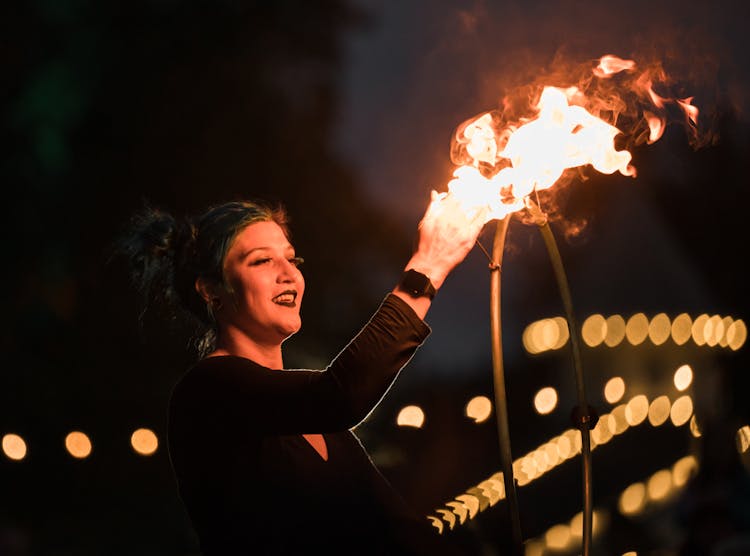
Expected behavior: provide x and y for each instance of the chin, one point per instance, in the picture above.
(291, 329)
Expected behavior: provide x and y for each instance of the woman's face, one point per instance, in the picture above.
(267, 287)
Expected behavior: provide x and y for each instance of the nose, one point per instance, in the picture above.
(288, 272)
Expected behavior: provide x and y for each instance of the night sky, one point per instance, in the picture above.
(345, 112)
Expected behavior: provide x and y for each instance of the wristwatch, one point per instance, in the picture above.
(417, 284)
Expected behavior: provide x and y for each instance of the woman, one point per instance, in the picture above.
(265, 459)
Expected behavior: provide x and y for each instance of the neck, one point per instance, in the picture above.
(233, 342)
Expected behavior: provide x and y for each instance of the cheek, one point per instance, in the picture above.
(246, 293)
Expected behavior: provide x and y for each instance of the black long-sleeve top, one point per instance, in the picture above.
(252, 485)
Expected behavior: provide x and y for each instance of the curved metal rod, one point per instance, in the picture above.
(584, 417)
(501, 403)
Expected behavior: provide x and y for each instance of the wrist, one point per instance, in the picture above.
(432, 272)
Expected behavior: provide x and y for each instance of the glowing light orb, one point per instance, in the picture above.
(545, 401)
(144, 441)
(410, 416)
(78, 444)
(14, 447)
(479, 408)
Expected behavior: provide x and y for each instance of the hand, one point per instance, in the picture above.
(447, 233)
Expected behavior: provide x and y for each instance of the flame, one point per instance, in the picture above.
(609, 65)
(655, 125)
(690, 111)
(481, 139)
(569, 127)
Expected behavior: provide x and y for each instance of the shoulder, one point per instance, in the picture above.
(217, 375)
(223, 363)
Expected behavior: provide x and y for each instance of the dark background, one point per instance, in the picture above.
(344, 112)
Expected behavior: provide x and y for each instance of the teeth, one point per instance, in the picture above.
(284, 298)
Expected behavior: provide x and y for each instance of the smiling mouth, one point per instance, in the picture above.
(287, 298)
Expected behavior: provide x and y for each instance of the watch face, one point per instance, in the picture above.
(417, 284)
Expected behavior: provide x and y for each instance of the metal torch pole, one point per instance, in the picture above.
(501, 402)
(583, 415)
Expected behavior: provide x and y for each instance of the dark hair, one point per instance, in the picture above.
(166, 255)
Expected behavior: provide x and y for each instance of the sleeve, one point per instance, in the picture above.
(306, 401)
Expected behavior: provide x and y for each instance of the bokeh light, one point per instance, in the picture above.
(527, 338)
(658, 411)
(615, 330)
(699, 329)
(604, 429)
(557, 537)
(548, 334)
(437, 523)
(683, 470)
(78, 444)
(470, 502)
(576, 524)
(726, 322)
(714, 330)
(659, 485)
(545, 400)
(681, 329)
(479, 408)
(553, 454)
(683, 377)
(682, 410)
(594, 330)
(144, 441)
(633, 499)
(743, 439)
(636, 410)
(564, 446)
(563, 333)
(524, 470)
(545, 334)
(659, 329)
(614, 390)
(574, 437)
(695, 429)
(636, 329)
(620, 419)
(534, 548)
(410, 416)
(14, 447)
(736, 335)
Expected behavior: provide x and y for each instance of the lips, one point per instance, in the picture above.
(286, 298)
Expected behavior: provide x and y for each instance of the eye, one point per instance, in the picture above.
(259, 262)
(297, 261)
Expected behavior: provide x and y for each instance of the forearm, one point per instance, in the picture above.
(368, 365)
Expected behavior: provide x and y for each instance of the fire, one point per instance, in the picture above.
(609, 65)
(569, 127)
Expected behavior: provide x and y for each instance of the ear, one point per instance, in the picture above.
(207, 289)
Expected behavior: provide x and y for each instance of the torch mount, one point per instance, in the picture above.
(584, 419)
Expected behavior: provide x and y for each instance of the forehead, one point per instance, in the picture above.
(260, 235)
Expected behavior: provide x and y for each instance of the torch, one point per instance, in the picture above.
(503, 162)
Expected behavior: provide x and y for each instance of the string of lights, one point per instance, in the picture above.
(559, 449)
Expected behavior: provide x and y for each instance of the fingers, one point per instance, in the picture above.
(466, 220)
(434, 209)
(450, 224)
